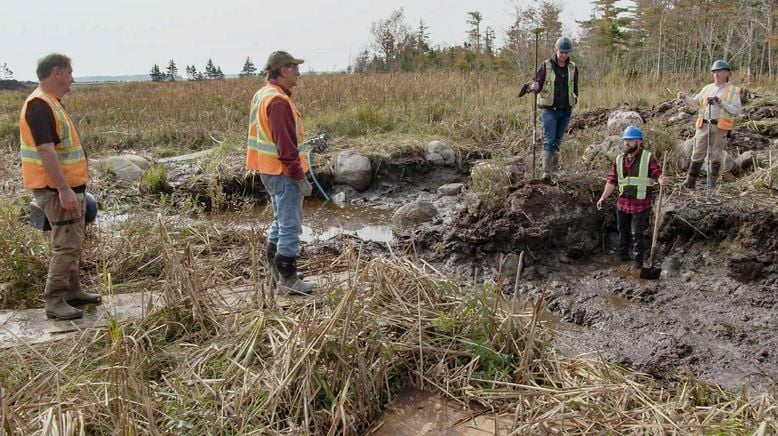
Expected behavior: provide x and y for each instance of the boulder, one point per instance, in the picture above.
(746, 160)
(680, 117)
(413, 214)
(439, 153)
(607, 150)
(619, 120)
(451, 189)
(125, 168)
(353, 169)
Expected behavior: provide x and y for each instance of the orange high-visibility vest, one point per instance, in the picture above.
(726, 120)
(70, 153)
(261, 151)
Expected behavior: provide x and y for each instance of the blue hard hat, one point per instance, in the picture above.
(564, 44)
(720, 64)
(633, 132)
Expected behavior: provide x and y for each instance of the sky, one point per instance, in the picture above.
(120, 37)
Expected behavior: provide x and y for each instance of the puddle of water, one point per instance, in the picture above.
(618, 301)
(324, 220)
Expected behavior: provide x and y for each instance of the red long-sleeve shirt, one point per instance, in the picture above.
(284, 135)
(629, 204)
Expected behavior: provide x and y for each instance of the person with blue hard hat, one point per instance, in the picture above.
(718, 104)
(556, 83)
(634, 172)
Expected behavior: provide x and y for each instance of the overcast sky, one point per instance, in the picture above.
(117, 37)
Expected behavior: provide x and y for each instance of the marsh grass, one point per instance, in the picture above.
(24, 259)
(328, 364)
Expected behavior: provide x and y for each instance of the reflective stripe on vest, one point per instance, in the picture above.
(726, 120)
(70, 153)
(631, 184)
(261, 151)
(547, 93)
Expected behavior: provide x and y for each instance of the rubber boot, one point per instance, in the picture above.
(547, 165)
(288, 282)
(57, 308)
(76, 296)
(691, 176)
(715, 170)
(555, 165)
(270, 254)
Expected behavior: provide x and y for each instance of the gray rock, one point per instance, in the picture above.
(413, 214)
(124, 168)
(353, 169)
(607, 150)
(619, 120)
(451, 189)
(680, 117)
(140, 161)
(439, 153)
(746, 160)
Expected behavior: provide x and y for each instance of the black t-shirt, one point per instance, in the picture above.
(40, 118)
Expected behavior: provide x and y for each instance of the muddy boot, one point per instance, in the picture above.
(691, 176)
(57, 308)
(715, 170)
(270, 255)
(555, 165)
(288, 281)
(76, 296)
(547, 165)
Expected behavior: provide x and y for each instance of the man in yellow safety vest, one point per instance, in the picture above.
(54, 167)
(718, 104)
(273, 150)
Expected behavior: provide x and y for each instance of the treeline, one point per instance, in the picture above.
(210, 72)
(624, 38)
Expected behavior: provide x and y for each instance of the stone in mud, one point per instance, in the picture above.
(412, 214)
(127, 168)
(680, 117)
(746, 160)
(606, 151)
(439, 153)
(745, 267)
(353, 169)
(619, 120)
(451, 189)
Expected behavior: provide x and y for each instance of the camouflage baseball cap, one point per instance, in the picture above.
(278, 59)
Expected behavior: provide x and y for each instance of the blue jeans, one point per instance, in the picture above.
(287, 202)
(555, 122)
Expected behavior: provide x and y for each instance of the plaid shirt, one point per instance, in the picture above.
(629, 204)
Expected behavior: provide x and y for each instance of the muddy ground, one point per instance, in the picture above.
(713, 312)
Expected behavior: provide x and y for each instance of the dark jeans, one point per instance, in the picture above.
(632, 227)
(555, 122)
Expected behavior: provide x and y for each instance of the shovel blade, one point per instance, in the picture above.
(650, 273)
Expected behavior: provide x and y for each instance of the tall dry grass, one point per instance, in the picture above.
(328, 364)
(471, 109)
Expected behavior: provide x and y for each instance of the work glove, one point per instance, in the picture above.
(525, 88)
(714, 100)
(305, 187)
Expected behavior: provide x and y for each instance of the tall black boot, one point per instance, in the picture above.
(270, 256)
(288, 282)
(715, 170)
(691, 176)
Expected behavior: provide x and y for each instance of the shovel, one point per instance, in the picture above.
(651, 273)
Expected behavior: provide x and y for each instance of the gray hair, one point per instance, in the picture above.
(47, 64)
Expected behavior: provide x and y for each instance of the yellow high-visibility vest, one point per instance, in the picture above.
(261, 151)
(631, 184)
(70, 153)
(546, 95)
(726, 120)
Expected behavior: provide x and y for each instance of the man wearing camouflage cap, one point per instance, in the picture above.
(273, 150)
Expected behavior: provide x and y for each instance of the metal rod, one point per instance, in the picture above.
(708, 176)
(537, 31)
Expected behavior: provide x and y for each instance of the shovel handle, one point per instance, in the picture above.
(657, 216)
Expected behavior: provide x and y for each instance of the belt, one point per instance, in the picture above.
(714, 122)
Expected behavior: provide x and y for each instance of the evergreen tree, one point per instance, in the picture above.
(5, 72)
(474, 34)
(210, 69)
(192, 73)
(218, 75)
(249, 70)
(156, 75)
(172, 71)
